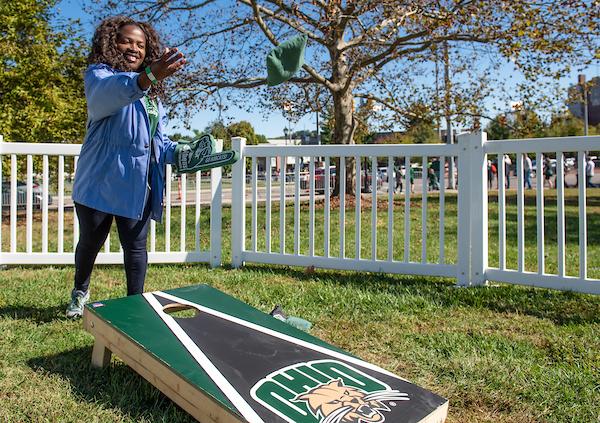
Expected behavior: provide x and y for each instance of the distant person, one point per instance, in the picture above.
(566, 170)
(436, 165)
(490, 173)
(590, 167)
(527, 166)
(399, 178)
(507, 165)
(432, 180)
(548, 173)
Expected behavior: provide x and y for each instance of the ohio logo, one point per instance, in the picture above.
(326, 391)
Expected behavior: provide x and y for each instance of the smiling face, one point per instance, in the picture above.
(131, 41)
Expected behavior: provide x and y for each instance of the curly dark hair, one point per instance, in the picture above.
(104, 47)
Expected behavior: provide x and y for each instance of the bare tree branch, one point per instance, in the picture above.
(296, 12)
(397, 109)
(213, 33)
(261, 23)
(277, 16)
(392, 53)
(162, 6)
(248, 82)
(269, 34)
(369, 32)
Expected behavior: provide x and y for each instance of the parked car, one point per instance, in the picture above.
(37, 194)
(319, 179)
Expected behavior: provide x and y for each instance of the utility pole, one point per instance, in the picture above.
(318, 137)
(449, 135)
(437, 96)
(585, 104)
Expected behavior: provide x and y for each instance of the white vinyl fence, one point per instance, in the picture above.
(282, 213)
(332, 237)
(400, 235)
(54, 165)
(552, 234)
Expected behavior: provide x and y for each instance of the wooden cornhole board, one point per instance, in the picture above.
(233, 363)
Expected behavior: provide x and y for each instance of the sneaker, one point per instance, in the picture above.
(78, 300)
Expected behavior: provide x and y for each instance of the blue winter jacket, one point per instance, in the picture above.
(112, 171)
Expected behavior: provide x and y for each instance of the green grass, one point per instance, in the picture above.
(500, 354)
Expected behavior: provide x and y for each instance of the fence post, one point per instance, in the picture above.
(472, 210)
(1, 191)
(238, 203)
(216, 211)
(464, 211)
(479, 208)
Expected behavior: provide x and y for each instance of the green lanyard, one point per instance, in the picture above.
(152, 109)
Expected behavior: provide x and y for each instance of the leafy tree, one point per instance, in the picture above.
(261, 139)
(303, 134)
(326, 126)
(419, 124)
(243, 129)
(498, 129)
(41, 81)
(364, 131)
(218, 130)
(372, 49)
(353, 43)
(520, 123)
(564, 124)
(180, 137)
(236, 129)
(527, 124)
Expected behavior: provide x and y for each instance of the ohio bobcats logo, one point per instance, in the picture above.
(326, 391)
(205, 146)
(338, 403)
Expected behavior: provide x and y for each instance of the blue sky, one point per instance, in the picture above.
(273, 124)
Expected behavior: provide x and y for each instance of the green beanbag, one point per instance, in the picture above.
(285, 60)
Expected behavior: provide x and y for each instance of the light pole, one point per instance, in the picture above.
(287, 107)
(585, 104)
(318, 137)
(449, 137)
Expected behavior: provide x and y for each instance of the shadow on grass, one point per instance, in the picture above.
(116, 386)
(562, 308)
(36, 314)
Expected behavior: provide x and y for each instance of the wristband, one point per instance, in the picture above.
(151, 76)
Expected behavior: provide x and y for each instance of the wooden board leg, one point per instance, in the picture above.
(100, 354)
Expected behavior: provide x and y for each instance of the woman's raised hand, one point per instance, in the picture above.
(170, 62)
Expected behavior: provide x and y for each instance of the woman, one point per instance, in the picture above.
(121, 167)
(548, 172)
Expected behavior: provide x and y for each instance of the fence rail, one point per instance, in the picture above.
(372, 226)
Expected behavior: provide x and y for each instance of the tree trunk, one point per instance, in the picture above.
(343, 133)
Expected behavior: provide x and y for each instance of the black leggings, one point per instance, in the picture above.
(94, 228)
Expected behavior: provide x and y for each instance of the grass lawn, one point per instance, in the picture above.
(500, 354)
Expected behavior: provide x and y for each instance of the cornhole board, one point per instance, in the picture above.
(230, 362)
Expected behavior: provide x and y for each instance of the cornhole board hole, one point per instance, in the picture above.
(224, 361)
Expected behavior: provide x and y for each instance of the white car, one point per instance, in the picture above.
(36, 192)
